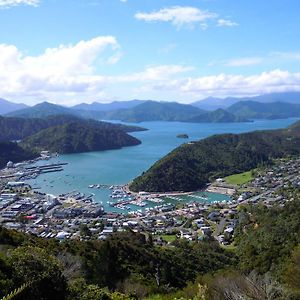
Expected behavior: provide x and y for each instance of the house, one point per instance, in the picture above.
(206, 230)
(16, 184)
(229, 230)
(213, 216)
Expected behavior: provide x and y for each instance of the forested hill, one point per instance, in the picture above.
(257, 110)
(75, 137)
(18, 128)
(193, 165)
(7, 106)
(155, 111)
(217, 116)
(13, 152)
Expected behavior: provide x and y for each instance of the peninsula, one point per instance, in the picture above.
(191, 166)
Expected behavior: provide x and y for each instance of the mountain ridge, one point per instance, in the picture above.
(211, 103)
(8, 106)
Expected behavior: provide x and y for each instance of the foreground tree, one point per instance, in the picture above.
(40, 271)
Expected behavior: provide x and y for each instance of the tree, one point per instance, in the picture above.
(40, 270)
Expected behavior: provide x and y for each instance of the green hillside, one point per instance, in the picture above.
(217, 116)
(13, 128)
(13, 152)
(266, 251)
(193, 165)
(77, 137)
(257, 110)
(155, 111)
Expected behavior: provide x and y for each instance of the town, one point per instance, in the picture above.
(76, 216)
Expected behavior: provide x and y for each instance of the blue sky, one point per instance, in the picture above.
(71, 51)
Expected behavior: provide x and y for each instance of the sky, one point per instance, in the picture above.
(73, 51)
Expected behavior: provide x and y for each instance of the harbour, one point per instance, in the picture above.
(96, 172)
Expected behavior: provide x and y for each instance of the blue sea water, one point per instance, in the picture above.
(122, 165)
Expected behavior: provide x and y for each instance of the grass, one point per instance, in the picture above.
(169, 238)
(239, 179)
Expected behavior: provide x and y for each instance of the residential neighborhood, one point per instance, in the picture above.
(77, 216)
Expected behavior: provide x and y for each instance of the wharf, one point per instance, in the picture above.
(47, 166)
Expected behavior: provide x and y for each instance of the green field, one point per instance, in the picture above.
(239, 179)
(169, 238)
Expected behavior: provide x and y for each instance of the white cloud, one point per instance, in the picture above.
(226, 23)
(65, 69)
(244, 61)
(11, 3)
(75, 73)
(178, 16)
(70, 71)
(286, 56)
(168, 48)
(235, 85)
(156, 73)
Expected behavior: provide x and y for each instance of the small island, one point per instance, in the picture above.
(182, 136)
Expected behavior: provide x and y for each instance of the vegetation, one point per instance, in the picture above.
(7, 107)
(212, 103)
(96, 106)
(41, 110)
(267, 236)
(140, 111)
(217, 116)
(239, 179)
(77, 137)
(191, 166)
(13, 152)
(155, 111)
(19, 128)
(257, 110)
(126, 262)
(264, 264)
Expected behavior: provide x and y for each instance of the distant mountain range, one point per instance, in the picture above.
(212, 103)
(276, 105)
(146, 111)
(155, 111)
(96, 106)
(218, 116)
(41, 110)
(257, 110)
(7, 107)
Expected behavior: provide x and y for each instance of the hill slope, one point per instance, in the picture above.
(155, 111)
(191, 166)
(19, 128)
(257, 110)
(7, 107)
(41, 110)
(96, 106)
(13, 152)
(217, 116)
(212, 103)
(147, 111)
(74, 137)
